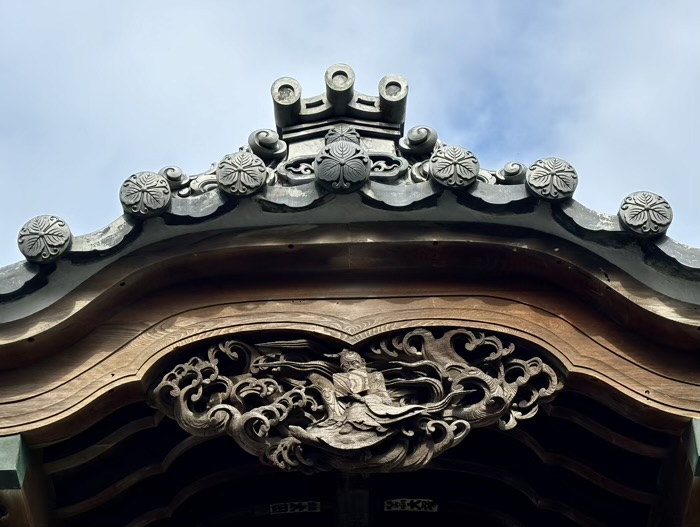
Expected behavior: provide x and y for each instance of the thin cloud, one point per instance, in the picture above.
(95, 92)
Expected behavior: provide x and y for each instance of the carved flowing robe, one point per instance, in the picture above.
(364, 420)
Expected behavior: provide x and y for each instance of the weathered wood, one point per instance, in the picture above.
(243, 475)
(332, 248)
(679, 483)
(108, 366)
(103, 353)
(356, 424)
(23, 488)
(129, 481)
(691, 503)
(145, 311)
(631, 444)
(91, 452)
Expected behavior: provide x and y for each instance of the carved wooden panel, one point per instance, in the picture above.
(110, 366)
(303, 405)
(642, 384)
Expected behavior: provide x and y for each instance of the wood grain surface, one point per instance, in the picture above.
(110, 366)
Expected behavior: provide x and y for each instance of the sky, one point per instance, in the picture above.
(92, 92)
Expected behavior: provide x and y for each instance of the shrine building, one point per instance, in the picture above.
(345, 323)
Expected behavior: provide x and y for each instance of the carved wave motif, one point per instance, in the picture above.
(298, 407)
(387, 168)
(297, 171)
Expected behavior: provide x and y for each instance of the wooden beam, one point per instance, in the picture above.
(691, 513)
(679, 483)
(23, 487)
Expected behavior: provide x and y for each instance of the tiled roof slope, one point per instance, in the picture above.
(342, 158)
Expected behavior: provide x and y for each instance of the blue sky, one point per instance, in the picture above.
(91, 92)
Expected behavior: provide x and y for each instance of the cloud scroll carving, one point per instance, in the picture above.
(299, 405)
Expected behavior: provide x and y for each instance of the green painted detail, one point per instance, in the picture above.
(14, 457)
(694, 446)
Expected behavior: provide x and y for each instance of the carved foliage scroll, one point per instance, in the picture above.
(300, 405)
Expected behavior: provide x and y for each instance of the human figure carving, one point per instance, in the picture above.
(358, 405)
(301, 407)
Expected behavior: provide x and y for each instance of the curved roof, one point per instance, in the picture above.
(340, 162)
(339, 231)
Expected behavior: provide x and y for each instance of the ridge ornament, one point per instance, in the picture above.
(645, 214)
(241, 174)
(454, 166)
(145, 194)
(44, 238)
(552, 179)
(342, 166)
